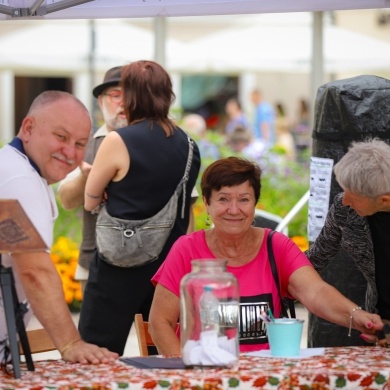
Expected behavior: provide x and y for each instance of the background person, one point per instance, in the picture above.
(284, 138)
(50, 143)
(196, 126)
(264, 120)
(302, 131)
(359, 221)
(71, 189)
(230, 189)
(239, 139)
(146, 162)
(242, 141)
(235, 115)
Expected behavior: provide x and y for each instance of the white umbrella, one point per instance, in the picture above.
(65, 46)
(284, 48)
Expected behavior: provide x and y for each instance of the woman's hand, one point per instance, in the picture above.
(367, 323)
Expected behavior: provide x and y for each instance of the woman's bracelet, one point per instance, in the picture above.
(351, 319)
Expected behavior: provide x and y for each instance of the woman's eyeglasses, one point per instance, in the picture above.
(115, 97)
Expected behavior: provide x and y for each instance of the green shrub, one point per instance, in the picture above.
(69, 223)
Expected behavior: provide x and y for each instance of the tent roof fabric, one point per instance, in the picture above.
(272, 43)
(65, 45)
(284, 47)
(148, 8)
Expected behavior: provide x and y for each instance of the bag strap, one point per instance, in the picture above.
(271, 257)
(184, 180)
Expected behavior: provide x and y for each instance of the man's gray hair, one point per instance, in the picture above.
(365, 169)
(51, 96)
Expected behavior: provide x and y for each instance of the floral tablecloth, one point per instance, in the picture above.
(339, 368)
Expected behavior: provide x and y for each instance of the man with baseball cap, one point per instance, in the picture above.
(71, 189)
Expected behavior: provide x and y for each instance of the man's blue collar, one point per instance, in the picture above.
(18, 145)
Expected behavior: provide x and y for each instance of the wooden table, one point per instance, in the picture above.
(338, 368)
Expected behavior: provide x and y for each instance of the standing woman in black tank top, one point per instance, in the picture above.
(146, 162)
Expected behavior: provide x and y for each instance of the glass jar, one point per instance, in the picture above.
(209, 309)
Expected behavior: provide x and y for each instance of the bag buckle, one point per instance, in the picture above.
(128, 233)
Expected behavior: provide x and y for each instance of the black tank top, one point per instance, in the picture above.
(157, 164)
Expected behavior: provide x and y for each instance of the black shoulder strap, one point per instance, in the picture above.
(289, 301)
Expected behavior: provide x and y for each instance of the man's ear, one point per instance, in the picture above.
(26, 128)
(100, 101)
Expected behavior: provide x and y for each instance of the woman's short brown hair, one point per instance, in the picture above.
(228, 172)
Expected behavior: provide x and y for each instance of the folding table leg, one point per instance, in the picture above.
(9, 309)
(14, 312)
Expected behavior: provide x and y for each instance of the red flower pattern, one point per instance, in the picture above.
(341, 368)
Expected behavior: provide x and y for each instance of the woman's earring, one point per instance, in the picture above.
(207, 221)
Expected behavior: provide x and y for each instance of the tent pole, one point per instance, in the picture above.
(159, 39)
(317, 74)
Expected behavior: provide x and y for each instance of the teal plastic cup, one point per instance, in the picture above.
(284, 336)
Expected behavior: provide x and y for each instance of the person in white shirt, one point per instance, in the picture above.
(50, 144)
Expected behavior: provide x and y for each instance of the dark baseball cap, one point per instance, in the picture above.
(111, 79)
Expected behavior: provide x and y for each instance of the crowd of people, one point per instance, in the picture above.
(270, 129)
(132, 164)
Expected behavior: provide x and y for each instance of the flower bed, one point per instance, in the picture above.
(64, 255)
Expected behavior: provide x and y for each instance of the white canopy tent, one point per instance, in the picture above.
(96, 9)
(65, 48)
(285, 47)
(65, 45)
(272, 43)
(103, 9)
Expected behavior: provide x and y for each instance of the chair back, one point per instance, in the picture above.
(143, 335)
(39, 341)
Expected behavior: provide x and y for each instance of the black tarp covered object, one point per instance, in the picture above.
(352, 109)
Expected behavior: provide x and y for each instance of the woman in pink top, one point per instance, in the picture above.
(230, 189)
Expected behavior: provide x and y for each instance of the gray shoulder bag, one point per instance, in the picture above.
(133, 243)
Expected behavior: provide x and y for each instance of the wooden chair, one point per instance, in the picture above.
(143, 336)
(39, 341)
